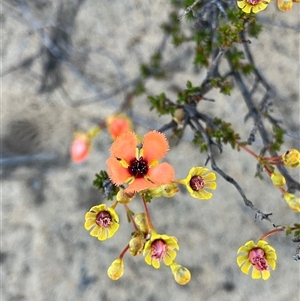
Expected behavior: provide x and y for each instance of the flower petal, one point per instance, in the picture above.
(117, 173)
(250, 244)
(265, 274)
(155, 146)
(95, 231)
(148, 258)
(243, 249)
(272, 263)
(246, 267)
(202, 194)
(211, 176)
(161, 174)
(241, 259)
(124, 146)
(155, 263)
(210, 185)
(89, 223)
(102, 234)
(255, 273)
(139, 185)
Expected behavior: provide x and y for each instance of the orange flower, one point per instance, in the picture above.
(118, 124)
(139, 168)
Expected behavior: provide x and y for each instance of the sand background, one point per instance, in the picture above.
(46, 254)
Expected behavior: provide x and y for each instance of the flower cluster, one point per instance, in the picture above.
(255, 6)
(136, 171)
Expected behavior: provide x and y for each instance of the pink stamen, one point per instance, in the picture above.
(258, 259)
(253, 2)
(197, 183)
(158, 249)
(103, 219)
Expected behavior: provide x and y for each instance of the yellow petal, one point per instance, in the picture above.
(246, 267)
(209, 177)
(271, 255)
(250, 244)
(91, 215)
(210, 185)
(261, 244)
(155, 263)
(95, 231)
(148, 258)
(102, 234)
(202, 195)
(241, 4)
(272, 263)
(265, 274)
(89, 223)
(243, 249)
(247, 8)
(241, 259)
(255, 273)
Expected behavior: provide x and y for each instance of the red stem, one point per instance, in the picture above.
(148, 215)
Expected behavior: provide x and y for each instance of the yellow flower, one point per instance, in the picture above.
(260, 257)
(253, 6)
(167, 190)
(198, 180)
(181, 274)
(285, 5)
(103, 222)
(116, 269)
(293, 201)
(160, 247)
(278, 179)
(291, 158)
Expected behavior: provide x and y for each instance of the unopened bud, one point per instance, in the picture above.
(278, 179)
(167, 190)
(116, 270)
(136, 244)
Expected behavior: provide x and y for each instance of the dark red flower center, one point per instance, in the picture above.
(258, 259)
(197, 183)
(103, 219)
(138, 167)
(158, 249)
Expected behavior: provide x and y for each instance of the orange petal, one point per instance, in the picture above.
(155, 146)
(124, 146)
(117, 173)
(139, 185)
(161, 174)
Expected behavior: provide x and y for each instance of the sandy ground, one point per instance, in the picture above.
(46, 253)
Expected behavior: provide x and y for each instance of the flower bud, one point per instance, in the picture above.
(181, 274)
(285, 5)
(179, 115)
(80, 148)
(291, 158)
(118, 124)
(167, 190)
(278, 179)
(136, 244)
(123, 197)
(116, 270)
(293, 201)
(142, 222)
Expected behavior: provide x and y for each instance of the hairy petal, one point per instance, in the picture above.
(155, 146)
(161, 174)
(124, 146)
